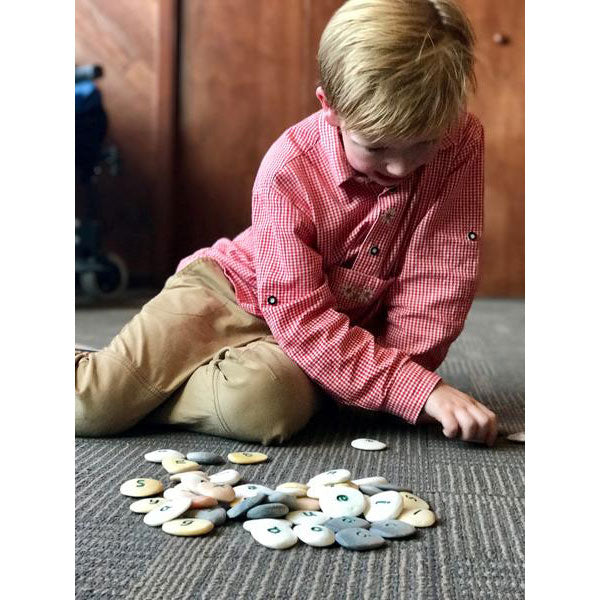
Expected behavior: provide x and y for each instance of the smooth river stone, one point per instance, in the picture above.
(197, 500)
(346, 523)
(276, 536)
(411, 501)
(188, 527)
(156, 456)
(251, 489)
(392, 529)
(170, 510)
(223, 493)
(288, 499)
(268, 511)
(419, 517)
(376, 479)
(292, 487)
(190, 477)
(367, 444)
(205, 458)
(249, 525)
(519, 436)
(355, 538)
(308, 504)
(146, 505)
(246, 458)
(316, 490)
(346, 502)
(240, 509)
(386, 487)
(217, 516)
(383, 506)
(369, 490)
(179, 465)
(314, 535)
(332, 476)
(141, 487)
(226, 477)
(307, 517)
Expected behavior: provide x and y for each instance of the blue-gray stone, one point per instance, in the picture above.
(355, 538)
(218, 516)
(267, 511)
(240, 509)
(205, 458)
(392, 529)
(340, 523)
(281, 497)
(369, 490)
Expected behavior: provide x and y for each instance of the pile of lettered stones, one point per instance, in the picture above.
(359, 514)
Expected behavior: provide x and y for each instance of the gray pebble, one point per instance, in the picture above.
(392, 529)
(346, 523)
(218, 516)
(369, 490)
(355, 538)
(267, 511)
(240, 509)
(205, 458)
(384, 487)
(283, 498)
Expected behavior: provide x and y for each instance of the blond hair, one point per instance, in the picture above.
(397, 68)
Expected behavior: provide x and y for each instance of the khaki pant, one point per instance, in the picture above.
(193, 358)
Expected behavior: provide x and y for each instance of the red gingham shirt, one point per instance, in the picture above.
(365, 287)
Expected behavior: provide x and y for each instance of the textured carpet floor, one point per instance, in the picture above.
(476, 549)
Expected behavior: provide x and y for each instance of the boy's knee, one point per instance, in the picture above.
(270, 398)
(108, 398)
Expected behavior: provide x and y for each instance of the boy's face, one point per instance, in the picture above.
(386, 162)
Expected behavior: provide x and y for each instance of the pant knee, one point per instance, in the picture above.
(108, 399)
(269, 399)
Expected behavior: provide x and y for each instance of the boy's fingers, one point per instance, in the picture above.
(484, 425)
(450, 425)
(468, 425)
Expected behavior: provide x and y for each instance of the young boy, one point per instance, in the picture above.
(359, 268)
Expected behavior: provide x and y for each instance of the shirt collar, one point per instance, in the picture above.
(336, 155)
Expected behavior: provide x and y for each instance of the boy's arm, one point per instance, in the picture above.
(427, 305)
(298, 305)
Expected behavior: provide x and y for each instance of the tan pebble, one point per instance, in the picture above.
(236, 501)
(307, 504)
(419, 517)
(203, 502)
(246, 458)
(224, 493)
(179, 465)
(350, 484)
(188, 526)
(410, 501)
(295, 489)
(142, 487)
(146, 505)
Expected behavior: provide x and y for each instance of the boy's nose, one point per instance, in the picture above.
(398, 168)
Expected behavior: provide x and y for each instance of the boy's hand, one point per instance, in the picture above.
(459, 413)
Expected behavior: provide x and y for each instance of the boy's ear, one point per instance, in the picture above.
(330, 115)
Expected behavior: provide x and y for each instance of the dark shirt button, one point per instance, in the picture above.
(374, 250)
(272, 300)
(472, 236)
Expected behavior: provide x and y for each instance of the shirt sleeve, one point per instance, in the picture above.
(427, 305)
(299, 307)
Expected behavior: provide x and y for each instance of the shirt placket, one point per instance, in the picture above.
(373, 254)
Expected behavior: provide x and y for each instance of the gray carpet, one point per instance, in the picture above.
(475, 551)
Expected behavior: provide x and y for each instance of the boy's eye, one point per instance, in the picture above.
(374, 149)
